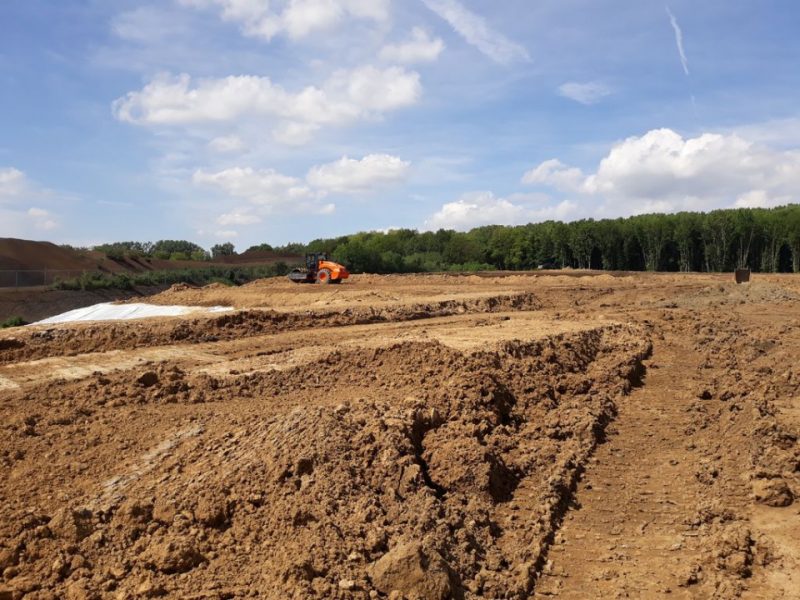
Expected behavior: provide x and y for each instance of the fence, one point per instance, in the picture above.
(35, 277)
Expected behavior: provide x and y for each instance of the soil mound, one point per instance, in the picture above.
(43, 342)
(401, 477)
(26, 254)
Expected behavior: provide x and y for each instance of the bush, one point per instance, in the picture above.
(12, 322)
(201, 276)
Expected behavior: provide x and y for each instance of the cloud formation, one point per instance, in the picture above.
(475, 209)
(474, 29)
(227, 144)
(17, 216)
(347, 96)
(348, 175)
(420, 47)
(297, 18)
(679, 40)
(12, 184)
(268, 192)
(262, 187)
(586, 93)
(662, 171)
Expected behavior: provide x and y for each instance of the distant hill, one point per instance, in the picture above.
(25, 254)
(16, 254)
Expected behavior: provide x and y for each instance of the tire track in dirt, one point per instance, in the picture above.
(627, 535)
(670, 505)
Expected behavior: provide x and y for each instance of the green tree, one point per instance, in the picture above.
(219, 250)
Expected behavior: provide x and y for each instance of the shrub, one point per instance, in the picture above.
(221, 274)
(12, 322)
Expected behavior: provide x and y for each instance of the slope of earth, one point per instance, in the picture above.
(419, 437)
(31, 264)
(36, 304)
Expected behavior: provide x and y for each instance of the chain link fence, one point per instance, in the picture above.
(35, 277)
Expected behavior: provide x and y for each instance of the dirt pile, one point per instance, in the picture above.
(417, 472)
(41, 342)
(346, 445)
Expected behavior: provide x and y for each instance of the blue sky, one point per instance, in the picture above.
(284, 120)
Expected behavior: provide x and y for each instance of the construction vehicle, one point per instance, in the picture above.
(319, 269)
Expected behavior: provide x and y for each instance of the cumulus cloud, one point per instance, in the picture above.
(484, 208)
(662, 171)
(42, 219)
(297, 18)
(556, 174)
(348, 95)
(474, 29)
(264, 187)
(421, 47)
(238, 218)
(678, 40)
(585, 93)
(268, 192)
(17, 216)
(12, 183)
(226, 144)
(349, 175)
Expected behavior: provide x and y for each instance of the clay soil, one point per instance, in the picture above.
(577, 435)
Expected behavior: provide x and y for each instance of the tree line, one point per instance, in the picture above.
(766, 240)
(168, 250)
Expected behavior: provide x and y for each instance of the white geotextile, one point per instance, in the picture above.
(107, 311)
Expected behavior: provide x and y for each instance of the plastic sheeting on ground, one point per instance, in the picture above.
(123, 312)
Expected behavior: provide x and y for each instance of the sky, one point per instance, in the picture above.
(270, 121)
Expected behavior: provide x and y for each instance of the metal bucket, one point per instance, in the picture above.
(742, 275)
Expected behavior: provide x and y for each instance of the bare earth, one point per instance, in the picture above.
(575, 436)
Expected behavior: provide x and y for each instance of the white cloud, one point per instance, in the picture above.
(556, 174)
(37, 212)
(297, 19)
(266, 188)
(348, 95)
(226, 144)
(42, 219)
(12, 183)
(585, 93)
(484, 208)
(267, 192)
(292, 133)
(777, 132)
(238, 218)
(662, 171)
(145, 25)
(17, 217)
(678, 40)
(226, 234)
(474, 29)
(348, 175)
(419, 48)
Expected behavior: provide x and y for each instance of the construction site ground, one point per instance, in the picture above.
(422, 437)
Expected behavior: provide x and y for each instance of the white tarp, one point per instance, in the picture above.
(123, 312)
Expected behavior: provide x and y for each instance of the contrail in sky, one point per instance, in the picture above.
(678, 40)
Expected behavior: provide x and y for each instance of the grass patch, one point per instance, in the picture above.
(13, 322)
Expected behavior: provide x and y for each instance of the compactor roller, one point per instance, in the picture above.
(319, 270)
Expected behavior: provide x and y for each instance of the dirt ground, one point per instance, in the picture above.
(579, 435)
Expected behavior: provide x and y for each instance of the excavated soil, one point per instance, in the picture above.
(418, 438)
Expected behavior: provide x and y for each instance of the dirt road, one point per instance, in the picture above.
(419, 437)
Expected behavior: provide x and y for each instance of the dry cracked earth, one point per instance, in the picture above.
(570, 435)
